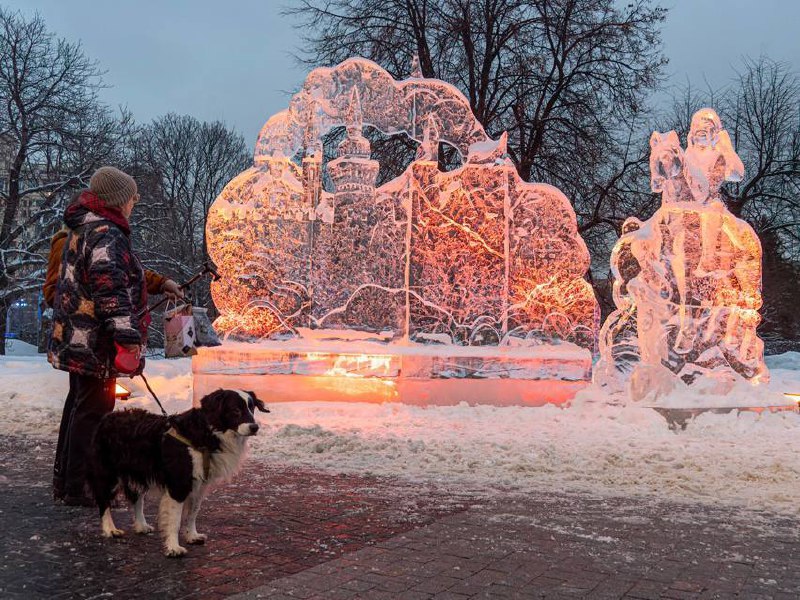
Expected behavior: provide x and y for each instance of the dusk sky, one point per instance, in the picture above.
(232, 60)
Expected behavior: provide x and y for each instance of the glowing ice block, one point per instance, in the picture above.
(687, 282)
(312, 369)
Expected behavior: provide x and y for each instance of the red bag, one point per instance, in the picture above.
(126, 361)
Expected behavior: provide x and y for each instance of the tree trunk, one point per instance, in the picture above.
(3, 321)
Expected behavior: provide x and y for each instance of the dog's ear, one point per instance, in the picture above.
(212, 401)
(212, 405)
(258, 403)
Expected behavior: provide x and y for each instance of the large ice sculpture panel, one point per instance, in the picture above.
(436, 286)
(473, 256)
(687, 282)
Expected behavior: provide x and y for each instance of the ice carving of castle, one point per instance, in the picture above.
(474, 255)
(354, 173)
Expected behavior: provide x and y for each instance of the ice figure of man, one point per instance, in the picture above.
(710, 159)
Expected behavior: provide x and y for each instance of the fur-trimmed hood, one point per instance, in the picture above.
(88, 207)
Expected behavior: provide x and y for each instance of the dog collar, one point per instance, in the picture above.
(172, 432)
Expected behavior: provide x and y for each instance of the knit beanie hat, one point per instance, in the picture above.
(112, 185)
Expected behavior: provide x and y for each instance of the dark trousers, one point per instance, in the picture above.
(89, 399)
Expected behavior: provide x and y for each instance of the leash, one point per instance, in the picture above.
(153, 394)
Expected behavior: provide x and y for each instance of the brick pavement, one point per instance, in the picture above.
(282, 533)
(563, 546)
(267, 524)
(567, 547)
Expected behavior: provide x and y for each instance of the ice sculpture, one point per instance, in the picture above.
(472, 257)
(687, 282)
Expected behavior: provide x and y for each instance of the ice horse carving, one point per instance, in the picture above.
(687, 282)
(473, 257)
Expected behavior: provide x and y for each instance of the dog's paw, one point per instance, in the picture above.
(175, 551)
(198, 538)
(113, 533)
(142, 529)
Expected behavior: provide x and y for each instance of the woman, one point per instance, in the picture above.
(99, 323)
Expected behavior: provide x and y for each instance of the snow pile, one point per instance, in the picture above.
(16, 347)
(32, 393)
(748, 460)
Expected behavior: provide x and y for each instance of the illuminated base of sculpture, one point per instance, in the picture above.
(679, 418)
(422, 374)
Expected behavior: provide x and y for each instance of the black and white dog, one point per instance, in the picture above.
(134, 450)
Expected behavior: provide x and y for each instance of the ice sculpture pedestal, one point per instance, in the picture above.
(371, 371)
(679, 418)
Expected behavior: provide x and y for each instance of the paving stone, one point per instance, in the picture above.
(358, 585)
(719, 595)
(478, 581)
(687, 586)
(612, 588)
(435, 585)
(647, 590)
(411, 595)
(397, 584)
(680, 594)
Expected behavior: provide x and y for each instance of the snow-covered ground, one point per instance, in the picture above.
(746, 460)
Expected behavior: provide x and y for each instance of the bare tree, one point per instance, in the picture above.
(55, 131)
(762, 110)
(182, 166)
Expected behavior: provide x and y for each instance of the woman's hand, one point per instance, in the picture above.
(172, 290)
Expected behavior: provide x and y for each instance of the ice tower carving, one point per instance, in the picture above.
(687, 282)
(473, 256)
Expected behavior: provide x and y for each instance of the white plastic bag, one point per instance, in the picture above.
(179, 332)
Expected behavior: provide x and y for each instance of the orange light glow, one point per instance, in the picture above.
(121, 392)
(361, 365)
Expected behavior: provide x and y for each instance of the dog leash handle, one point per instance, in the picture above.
(153, 394)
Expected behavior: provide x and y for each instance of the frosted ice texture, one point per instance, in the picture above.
(473, 256)
(687, 282)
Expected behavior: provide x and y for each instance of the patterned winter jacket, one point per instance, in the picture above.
(100, 294)
(155, 281)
